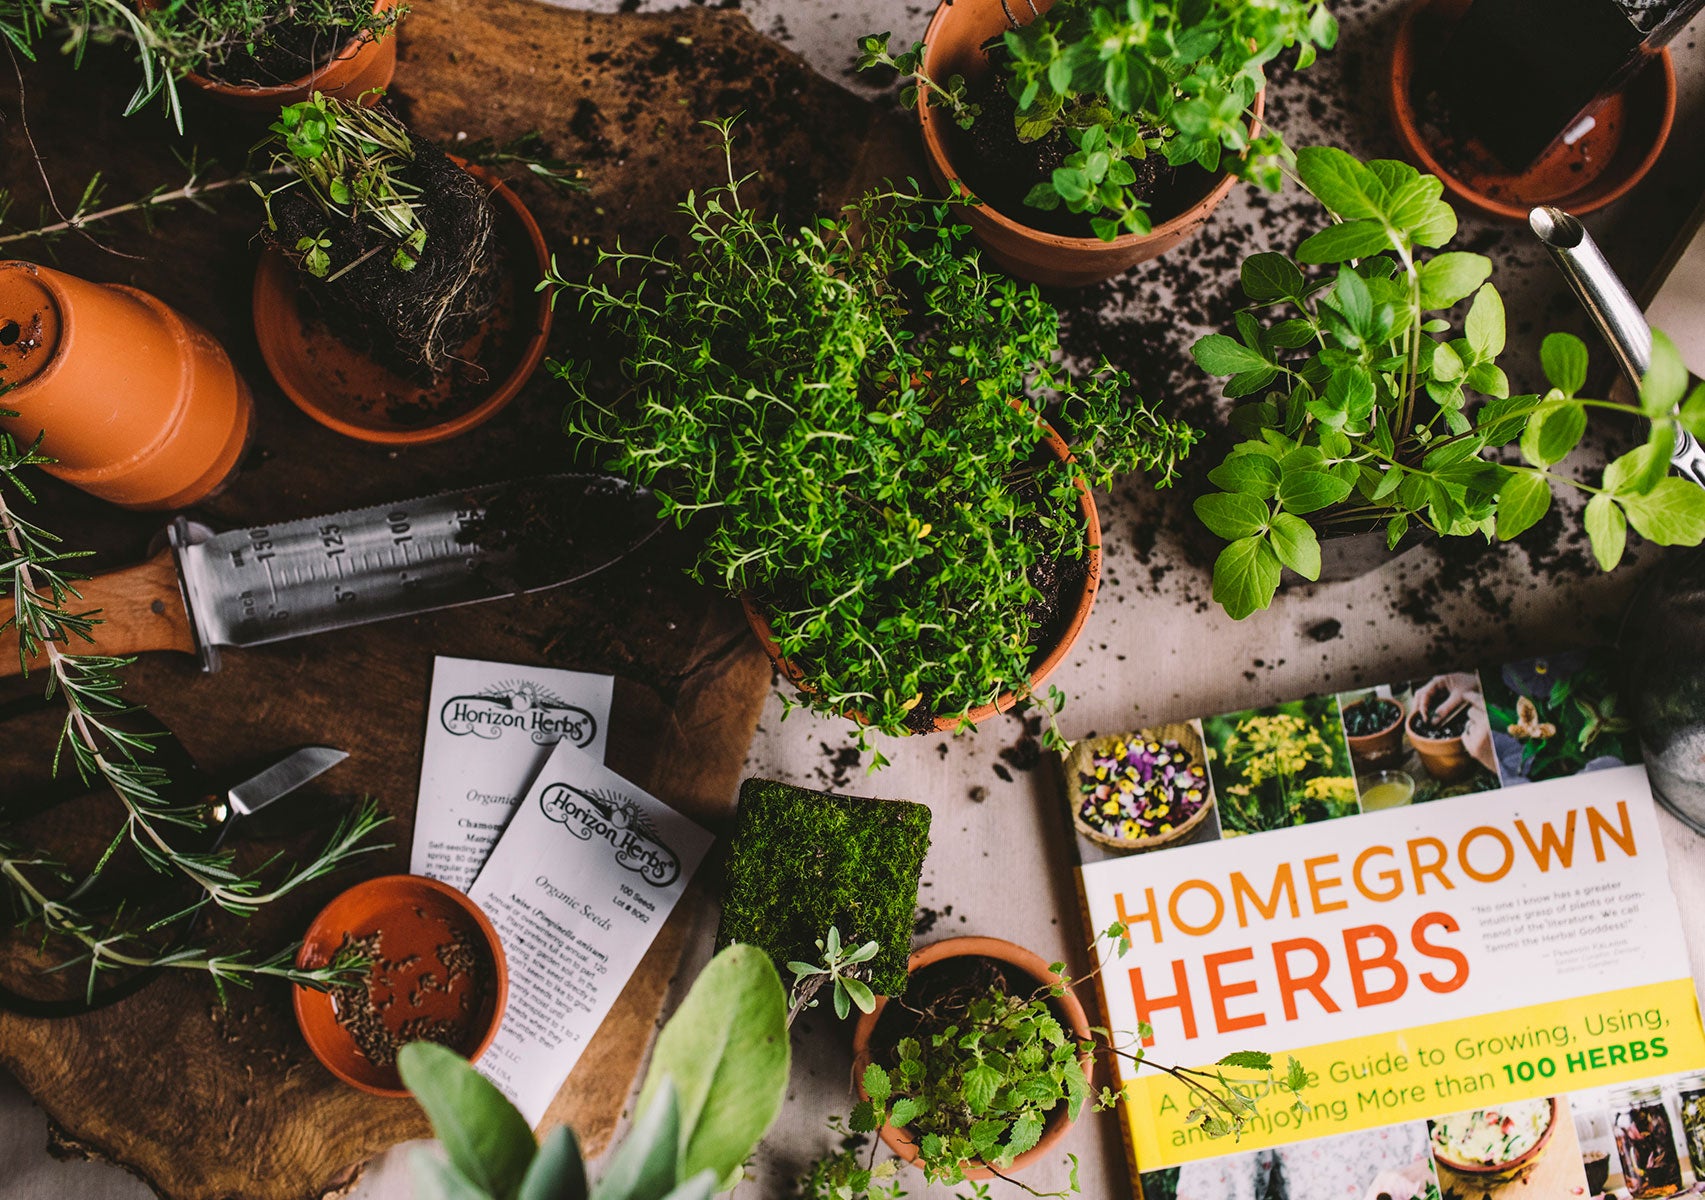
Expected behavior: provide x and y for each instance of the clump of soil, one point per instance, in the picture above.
(413, 322)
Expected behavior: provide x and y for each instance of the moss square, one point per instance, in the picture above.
(801, 861)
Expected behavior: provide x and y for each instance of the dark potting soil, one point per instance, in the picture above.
(290, 50)
(412, 322)
(1367, 717)
(1427, 725)
(1000, 169)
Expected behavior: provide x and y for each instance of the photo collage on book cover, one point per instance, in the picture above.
(1329, 757)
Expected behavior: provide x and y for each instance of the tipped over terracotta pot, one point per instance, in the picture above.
(1018, 961)
(955, 40)
(140, 406)
(1049, 661)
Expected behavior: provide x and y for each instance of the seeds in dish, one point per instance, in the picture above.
(1491, 1137)
(1141, 788)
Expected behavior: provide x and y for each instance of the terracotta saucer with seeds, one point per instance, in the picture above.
(437, 974)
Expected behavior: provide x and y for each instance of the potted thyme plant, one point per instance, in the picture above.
(1096, 135)
(1356, 413)
(854, 415)
(396, 303)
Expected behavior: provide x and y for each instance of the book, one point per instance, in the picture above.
(1446, 899)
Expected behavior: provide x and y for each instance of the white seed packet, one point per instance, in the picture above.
(489, 728)
(578, 886)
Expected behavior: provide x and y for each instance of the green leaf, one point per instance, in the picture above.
(702, 1186)
(1247, 1060)
(1309, 491)
(1552, 432)
(1218, 354)
(1352, 298)
(1269, 276)
(905, 1111)
(1693, 412)
(1641, 468)
(1665, 381)
(647, 1163)
(485, 1138)
(981, 1083)
(1564, 359)
(1251, 474)
(1246, 575)
(1447, 278)
(1671, 514)
(1447, 365)
(1484, 326)
(726, 1049)
(1342, 242)
(438, 1180)
(557, 1172)
(877, 1084)
(1607, 529)
(1026, 1132)
(1295, 543)
(1522, 501)
(1231, 515)
(861, 995)
(1338, 181)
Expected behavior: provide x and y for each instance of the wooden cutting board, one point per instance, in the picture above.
(206, 1102)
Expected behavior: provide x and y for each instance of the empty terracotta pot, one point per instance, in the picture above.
(1022, 962)
(140, 406)
(1052, 659)
(364, 64)
(956, 36)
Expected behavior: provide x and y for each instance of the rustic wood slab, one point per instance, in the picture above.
(205, 1102)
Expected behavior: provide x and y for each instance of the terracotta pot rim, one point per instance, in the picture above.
(277, 283)
(1049, 663)
(385, 885)
(1515, 1164)
(1014, 955)
(352, 48)
(1399, 78)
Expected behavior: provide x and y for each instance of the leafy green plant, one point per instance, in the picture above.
(75, 25)
(988, 1068)
(47, 619)
(838, 968)
(1563, 718)
(1117, 80)
(1356, 412)
(1280, 766)
(351, 160)
(715, 1085)
(854, 418)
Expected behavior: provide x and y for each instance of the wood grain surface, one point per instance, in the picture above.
(207, 1102)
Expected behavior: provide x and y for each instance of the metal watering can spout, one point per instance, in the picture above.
(1662, 641)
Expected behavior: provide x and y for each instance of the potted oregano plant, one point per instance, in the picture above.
(982, 1065)
(1356, 412)
(716, 1083)
(854, 412)
(1096, 134)
(397, 301)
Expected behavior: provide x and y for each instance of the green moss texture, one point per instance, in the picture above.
(802, 860)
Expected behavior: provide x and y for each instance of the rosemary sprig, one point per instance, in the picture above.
(38, 576)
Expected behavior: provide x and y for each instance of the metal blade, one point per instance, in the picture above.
(282, 778)
(266, 584)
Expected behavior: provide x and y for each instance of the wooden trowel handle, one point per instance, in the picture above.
(140, 609)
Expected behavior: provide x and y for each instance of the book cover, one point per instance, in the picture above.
(1447, 899)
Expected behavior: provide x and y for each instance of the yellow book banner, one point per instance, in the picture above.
(1433, 1070)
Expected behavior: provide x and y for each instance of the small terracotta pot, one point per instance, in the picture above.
(1004, 702)
(1630, 129)
(365, 64)
(1383, 747)
(1014, 956)
(1445, 759)
(955, 40)
(344, 390)
(141, 406)
(415, 917)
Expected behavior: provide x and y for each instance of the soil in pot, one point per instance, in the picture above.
(1432, 727)
(414, 321)
(292, 50)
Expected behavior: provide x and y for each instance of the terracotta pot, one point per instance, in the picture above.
(1484, 1175)
(1630, 128)
(344, 390)
(1015, 956)
(1381, 748)
(415, 917)
(365, 64)
(955, 37)
(1004, 702)
(141, 406)
(1445, 759)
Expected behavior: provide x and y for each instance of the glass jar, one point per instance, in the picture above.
(1692, 1103)
(1645, 1142)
